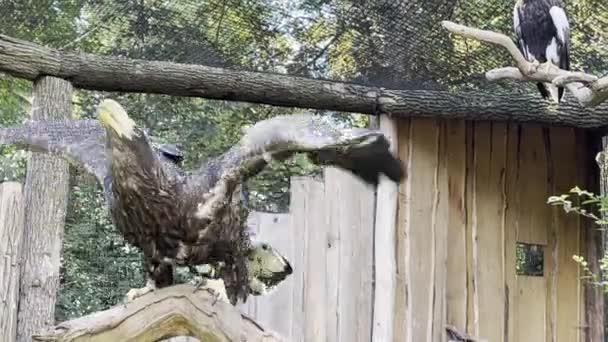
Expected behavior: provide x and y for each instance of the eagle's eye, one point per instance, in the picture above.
(265, 247)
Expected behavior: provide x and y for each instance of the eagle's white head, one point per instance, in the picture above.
(267, 268)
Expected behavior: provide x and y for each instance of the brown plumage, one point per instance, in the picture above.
(186, 219)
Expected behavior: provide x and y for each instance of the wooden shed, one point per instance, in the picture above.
(475, 194)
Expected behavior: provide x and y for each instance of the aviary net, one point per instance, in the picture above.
(390, 43)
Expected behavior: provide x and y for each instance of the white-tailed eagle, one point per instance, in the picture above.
(187, 219)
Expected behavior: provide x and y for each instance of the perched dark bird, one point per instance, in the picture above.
(542, 31)
(181, 219)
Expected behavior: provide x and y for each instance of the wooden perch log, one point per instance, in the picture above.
(587, 89)
(86, 71)
(180, 310)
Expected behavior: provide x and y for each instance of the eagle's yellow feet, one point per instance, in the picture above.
(136, 293)
(215, 287)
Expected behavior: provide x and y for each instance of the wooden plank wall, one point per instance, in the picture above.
(499, 177)
(328, 238)
(11, 236)
(472, 191)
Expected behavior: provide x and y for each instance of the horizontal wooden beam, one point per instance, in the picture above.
(87, 71)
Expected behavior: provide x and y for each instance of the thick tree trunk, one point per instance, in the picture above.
(30, 61)
(46, 190)
(179, 310)
(11, 236)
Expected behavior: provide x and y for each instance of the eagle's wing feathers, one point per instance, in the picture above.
(364, 152)
(518, 34)
(562, 26)
(81, 142)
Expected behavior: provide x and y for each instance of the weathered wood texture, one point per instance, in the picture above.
(11, 235)
(180, 310)
(385, 258)
(500, 176)
(328, 238)
(31, 61)
(592, 243)
(46, 191)
(472, 191)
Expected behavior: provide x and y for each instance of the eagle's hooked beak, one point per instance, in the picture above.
(111, 114)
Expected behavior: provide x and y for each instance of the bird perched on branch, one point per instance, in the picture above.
(542, 31)
(185, 219)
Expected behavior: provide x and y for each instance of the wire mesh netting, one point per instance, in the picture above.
(397, 44)
(390, 43)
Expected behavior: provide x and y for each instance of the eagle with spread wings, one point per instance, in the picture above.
(181, 218)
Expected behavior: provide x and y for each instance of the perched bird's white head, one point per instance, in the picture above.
(267, 268)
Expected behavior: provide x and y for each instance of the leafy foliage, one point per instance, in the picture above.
(592, 206)
(98, 266)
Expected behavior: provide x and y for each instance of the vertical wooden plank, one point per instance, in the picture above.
(565, 303)
(439, 222)
(351, 208)
(309, 199)
(534, 220)
(276, 309)
(333, 268)
(533, 192)
(335, 191)
(364, 248)
(420, 253)
(511, 228)
(587, 147)
(530, 309)
(298, 215)
(457, 259)
(471, 232)
(384, 249)
(489, 164)
(11, 236)
(400, 323)
(551, 251)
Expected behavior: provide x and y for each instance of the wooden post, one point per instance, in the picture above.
(595, 244)
(46, 191)
(384, 245)
(11, 236)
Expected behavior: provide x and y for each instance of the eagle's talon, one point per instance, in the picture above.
(138, 292)
(215, 287)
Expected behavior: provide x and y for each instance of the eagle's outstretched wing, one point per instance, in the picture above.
(364, 152)
(81, 142)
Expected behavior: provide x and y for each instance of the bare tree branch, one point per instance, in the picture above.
(588, 89)
(180, 310)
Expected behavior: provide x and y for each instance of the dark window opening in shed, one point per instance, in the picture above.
(529, 259)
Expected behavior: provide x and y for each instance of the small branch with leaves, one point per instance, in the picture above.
(588, 89)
